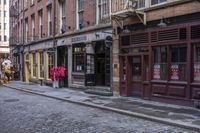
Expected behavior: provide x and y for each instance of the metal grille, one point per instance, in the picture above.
(171, 34)
(195, 32)
(139, 38)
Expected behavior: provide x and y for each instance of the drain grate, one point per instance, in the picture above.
(11, 100)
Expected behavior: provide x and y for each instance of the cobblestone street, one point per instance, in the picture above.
(22, 112)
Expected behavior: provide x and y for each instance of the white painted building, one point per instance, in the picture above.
(4, 28)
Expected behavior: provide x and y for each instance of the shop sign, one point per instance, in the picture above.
(197, 72)
(174, 72)
(79, 39)
(156, 72)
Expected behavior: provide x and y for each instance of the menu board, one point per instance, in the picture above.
(156, 72)
(174, 72)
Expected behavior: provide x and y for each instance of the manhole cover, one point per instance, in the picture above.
(11, 100)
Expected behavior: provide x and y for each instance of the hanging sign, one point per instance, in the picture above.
(197, 72)
(156, 72)
(174, 72)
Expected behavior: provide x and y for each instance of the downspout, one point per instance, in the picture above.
(23, 37)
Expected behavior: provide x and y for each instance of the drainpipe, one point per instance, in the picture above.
(54, 33)
(23, 37)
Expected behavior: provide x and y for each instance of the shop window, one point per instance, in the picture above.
(34, 64)
(41, 64)
(160, 63)
(50, 62)
(78, 58)
(178, 63)
(197, 62)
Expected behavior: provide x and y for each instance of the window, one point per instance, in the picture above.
(5, 38)
(32, 2)
(0, 37)
(34, 64)
(50, 62)
(4, 26)
(103, 9)
(153, 2)
(178, 63)
(78, 58)
(140, 3)
(197, 62)
(33, 26)
(4, 13)
(26, 29)
(4, 2)
(160, 63)
(80, 14)
(0, 25)
(40, 24)
(62, 13)
(41, 55)
(136, 68)
(49, 20)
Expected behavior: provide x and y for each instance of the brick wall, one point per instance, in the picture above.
(89, 15)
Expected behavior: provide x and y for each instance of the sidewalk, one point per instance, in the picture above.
(181, 116)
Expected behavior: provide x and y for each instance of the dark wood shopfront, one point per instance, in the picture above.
(162, 63)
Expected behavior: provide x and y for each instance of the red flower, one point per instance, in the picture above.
(57, 73)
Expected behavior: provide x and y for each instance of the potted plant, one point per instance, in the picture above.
(56, 74)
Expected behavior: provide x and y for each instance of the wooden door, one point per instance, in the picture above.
(136, 75)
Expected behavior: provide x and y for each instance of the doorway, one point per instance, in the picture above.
(136, 75)
(62, 60)
(102, 64)
(27, 71)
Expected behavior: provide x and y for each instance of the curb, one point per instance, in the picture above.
(123, 112)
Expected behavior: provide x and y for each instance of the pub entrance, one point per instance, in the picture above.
(98, 66)
(134, 75)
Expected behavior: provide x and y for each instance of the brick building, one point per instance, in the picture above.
(156, 49)
(68, 33)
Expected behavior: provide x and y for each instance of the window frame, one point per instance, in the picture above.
(179, 62)
(159, 64)
(34, 65)
(157, 3)
(196, 63)
(78, 51)
(41, 64)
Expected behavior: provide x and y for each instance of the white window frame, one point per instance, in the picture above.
(26, 30)
(40, 14)
(33, 26)
(78, 11)
(62, 13)
(49, 18)
(32, 2)
(100, 11)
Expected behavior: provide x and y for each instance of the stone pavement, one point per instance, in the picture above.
(181, 116)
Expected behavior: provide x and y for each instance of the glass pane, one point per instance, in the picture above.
(178, 72)
(136, 68)
(197, 53)
(160, 71)
(146, 68)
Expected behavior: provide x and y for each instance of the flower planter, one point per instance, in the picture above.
(57, 74)
(55, 84)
